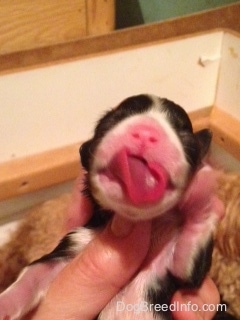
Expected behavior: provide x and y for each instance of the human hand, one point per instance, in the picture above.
(88, 283)
(85, 286)
(98, 273)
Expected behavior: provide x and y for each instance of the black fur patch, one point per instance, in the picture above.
(177, 116)
(202, 265)
(99, 219)
(195, 145)
(62, 251)
(180, 122)
(204, 138)
(162, 292)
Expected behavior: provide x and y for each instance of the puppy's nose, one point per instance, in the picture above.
(145, 135)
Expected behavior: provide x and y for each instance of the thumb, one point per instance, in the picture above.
(88, 283)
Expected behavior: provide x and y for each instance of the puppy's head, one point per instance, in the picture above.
(141, 156)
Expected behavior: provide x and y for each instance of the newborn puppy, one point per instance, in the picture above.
(143, 162)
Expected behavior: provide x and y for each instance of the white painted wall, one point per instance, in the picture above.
(228, 89)
(57, 105)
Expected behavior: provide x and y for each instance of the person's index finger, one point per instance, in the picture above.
(89, 282)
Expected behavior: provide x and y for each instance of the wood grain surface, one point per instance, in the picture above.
(224, 17)
(32, 24)
(100, 16)
(28, 24)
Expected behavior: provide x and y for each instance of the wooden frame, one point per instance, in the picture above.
(22, 176)
(223, 17)
(28, 25)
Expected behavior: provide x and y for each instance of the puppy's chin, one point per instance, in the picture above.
(114, 198)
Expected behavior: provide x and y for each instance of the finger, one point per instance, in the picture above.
(191, 303)
(88, 283)
(80, 207)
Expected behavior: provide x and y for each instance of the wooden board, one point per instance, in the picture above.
(31, 24)
(226, 131)
(27, 24)
(224, 17)
(25, 175)
(100, 16)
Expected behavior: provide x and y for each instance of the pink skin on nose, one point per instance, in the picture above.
(143, 181)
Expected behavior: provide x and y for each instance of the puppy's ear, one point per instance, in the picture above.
(204, 138)
(85, 154)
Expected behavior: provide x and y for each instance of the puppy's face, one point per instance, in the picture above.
(141, 157)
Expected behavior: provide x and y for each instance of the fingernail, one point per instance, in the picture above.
(121, 227)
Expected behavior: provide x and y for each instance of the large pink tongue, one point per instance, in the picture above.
(143, 182)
